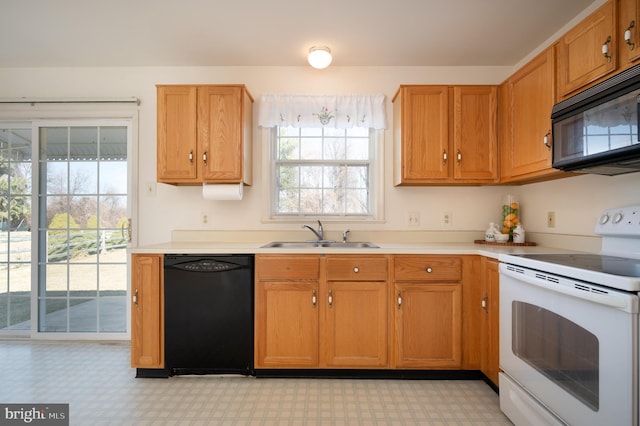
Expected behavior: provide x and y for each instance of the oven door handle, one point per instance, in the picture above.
(567, 287)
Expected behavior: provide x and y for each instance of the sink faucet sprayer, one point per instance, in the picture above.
(319, 233)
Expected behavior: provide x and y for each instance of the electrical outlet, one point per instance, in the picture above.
(447, 219)
(204, 217)
(413, 218)
(551, 219)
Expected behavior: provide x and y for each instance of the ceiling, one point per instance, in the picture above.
(81, 33)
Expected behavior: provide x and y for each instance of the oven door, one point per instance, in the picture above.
(572, 347)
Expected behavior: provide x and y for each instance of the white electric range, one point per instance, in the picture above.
(569, 330)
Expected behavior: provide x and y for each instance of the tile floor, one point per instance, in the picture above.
(97, 382)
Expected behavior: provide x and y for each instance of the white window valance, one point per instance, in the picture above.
(336, 111)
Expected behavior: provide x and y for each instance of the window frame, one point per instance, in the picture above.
(376, 184)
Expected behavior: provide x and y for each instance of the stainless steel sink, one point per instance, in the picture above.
(319, 244)
(350, 244)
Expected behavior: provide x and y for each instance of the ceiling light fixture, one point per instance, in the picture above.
(319, 57)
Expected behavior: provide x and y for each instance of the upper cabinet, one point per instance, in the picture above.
(527, 99)
(204, 134)
(445, 134)
(588, 52)
(629, 32)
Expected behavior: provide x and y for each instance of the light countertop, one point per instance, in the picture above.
(201, 247)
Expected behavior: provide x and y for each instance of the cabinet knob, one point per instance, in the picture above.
(356, 269)
(444, 156)
(429, 270)
(135, 298)
(330, 298)
(191, 156)
(204, 157)
(459, 156)
(314, 298)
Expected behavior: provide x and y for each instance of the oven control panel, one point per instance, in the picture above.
(622, 221)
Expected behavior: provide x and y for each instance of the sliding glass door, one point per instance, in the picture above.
(15, 227)
(82, 260)
(64, 209)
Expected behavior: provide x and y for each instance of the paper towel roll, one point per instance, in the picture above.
(220, 192)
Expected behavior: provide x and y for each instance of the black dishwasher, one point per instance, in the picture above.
(208, 307)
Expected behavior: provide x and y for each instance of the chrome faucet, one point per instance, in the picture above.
(319, 233)
(345, 233)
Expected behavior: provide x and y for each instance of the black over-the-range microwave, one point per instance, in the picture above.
(596, 131)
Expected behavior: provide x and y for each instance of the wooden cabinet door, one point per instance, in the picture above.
(177, 150)
(221, 132)
(490, 324)
(286, 325)
(428, 311)
(428, 325)
(355, 327)
(629, 23)
(287, 311)
(580, 51)
(475, 134)
(421, 122)
(147, 307)
(529, 99)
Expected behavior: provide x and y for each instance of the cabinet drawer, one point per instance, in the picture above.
(427, 268)
(287, 267)
(355, 268)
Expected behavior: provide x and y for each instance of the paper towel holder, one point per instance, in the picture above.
(222, 191)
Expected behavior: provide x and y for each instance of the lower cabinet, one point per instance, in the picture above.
(147, 311)
(490, 322)
(286, 311)
(355, 321)
(428, 312)
(339, 321)
(362, 312)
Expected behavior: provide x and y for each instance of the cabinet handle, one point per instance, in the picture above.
(191, 156)
(356, 269)
(605, 49)
(444, 156)
(429, 270)
(547, 140)
(459, 156)
(314, 298)
(330, 298)
(399, 299)
(627, 36)
(135, 297)
(484, 302)
(204, 157)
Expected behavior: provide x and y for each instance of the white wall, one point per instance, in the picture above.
(576, 201)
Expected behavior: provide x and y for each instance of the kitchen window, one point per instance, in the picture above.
(325, 156)
(324, 172)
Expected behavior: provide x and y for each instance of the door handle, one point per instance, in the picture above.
(129, 229)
